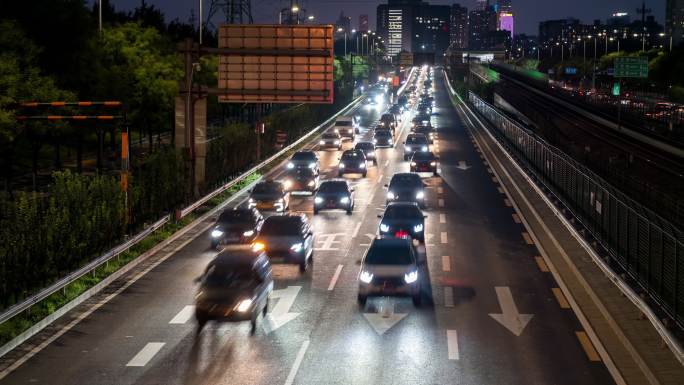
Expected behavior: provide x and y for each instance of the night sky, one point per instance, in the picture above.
(528, 13)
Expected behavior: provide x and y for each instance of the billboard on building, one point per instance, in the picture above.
(276, 63)
(506, 22)
(394, 31)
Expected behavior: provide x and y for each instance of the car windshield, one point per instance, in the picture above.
(402, 212)
(303, 173)
(389, 254)
(387, 117)
(330, 135)
(406, 180)
(343, 123)
(416, 139)
(364, 146)
(423, 156)
(382, 133)
(268, 188)
(330, 187)
(230, 277)
(352, 156)
(236, 216)
(304, 156)
(283, 226)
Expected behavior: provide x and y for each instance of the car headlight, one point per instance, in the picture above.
(297, 247)
(290, 165)
(375, 141)
(248, 233)
(258, 246)
(362, 165)
(244, 305)
(420, 195)
(216, 233)
(337, 131)
(433, 164)
(424, 148)
(371, 153)
(365, 276)
(311, 183)
(251, 200)
(321, 142)
(344, 200)
(318, 200)
(287, 184)
(337, 142)
(413, 163)
(384, 228)
(390, 195)
(341, 165)
(425, 122)
(312, 165)
(418, 228)
(411, 276)
(407, 148)
(280, 200)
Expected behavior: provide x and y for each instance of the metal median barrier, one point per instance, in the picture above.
(647, 247)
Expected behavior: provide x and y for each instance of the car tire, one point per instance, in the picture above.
(201, 321)
(361, 299)
(435, 173)
(214, 244)
(364, 174)
(315, 212)
(303, 265)
(416, 300)
(265, 309)
(252, 325)
(349, 211)
(375, 162)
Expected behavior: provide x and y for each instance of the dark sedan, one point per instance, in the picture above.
(352, 162)
(301, 180)
(406, 187)
(424, 162)
(287, 239)
(383, 138)
(334, 195)
(234, 287)
(403, 220)
(368, 149)
(240, 225)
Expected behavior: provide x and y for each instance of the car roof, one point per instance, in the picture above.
(364, 144)
(380, 242)
(285, 218)
(335, 181)
(237, 256)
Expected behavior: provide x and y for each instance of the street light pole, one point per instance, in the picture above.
(200, 21)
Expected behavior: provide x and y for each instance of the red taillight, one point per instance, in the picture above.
(401, 234)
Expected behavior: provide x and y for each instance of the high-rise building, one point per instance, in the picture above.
(674, 21)
(482, 22)
(344, 22)
(459, 27)
(414, 26)
(363, 23)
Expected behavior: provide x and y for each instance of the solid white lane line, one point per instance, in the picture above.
(356, 230)
(446, 263)
(442, 218)
(443, 237)
(440, 203)
(452, 344)
(184, 315)
(298, 361)
(145, 355)
(333, 281)
(448, 296)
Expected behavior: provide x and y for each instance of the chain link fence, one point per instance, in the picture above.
(646, 246)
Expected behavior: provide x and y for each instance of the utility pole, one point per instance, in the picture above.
(643, 11)
(99, 15)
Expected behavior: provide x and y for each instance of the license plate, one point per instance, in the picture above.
(231, 239)
(331, 205)
(277, 259)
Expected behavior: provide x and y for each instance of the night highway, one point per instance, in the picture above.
(488, 313)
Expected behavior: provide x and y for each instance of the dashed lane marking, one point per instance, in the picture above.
(588, 347)
(527, 237)
(335, 277)
(442, 218)
(495, 180)
(298, 361)
(448, 296)
(356, 230)
(446, 263)
(560, 298)
(542, 264)
(183, 316)
(452, 344)
(440, 190)
(146, 354)
(440, 203)
(507, 203)
(516, 218)
(443, 237)
(501, 191)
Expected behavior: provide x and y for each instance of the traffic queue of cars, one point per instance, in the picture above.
(236, 285)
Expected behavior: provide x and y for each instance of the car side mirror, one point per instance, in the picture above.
(358, 262)
(351, 189)
(425, 216)
(197, 279)
(250, 191)
(386, 186)
(379, 216)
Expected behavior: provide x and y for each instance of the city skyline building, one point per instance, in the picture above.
(458, 27)
(414, 26)
(674, 21)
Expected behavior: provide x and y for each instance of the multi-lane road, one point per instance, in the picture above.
(489, 314)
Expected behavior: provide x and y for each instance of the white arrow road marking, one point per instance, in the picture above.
(385, 318)
(184, 315)
(509, 317)
(452, 344)
(462, 165)
(145, 355)
(335, 277)
(443, 237)
(280, 315)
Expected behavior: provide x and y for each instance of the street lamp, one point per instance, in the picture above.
(340, 29)
(311, 17)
